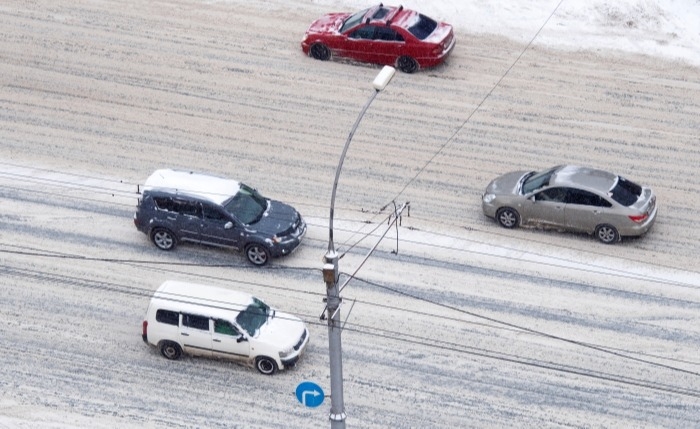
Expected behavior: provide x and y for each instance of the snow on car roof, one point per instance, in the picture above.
(220, 301)
(592, 178)
(404, 18)
(215, 189)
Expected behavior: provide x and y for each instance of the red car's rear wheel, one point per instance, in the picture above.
(406, 64)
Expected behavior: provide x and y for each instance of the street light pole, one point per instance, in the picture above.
(330, 275)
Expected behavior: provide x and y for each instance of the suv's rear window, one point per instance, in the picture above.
(186, 207)
(168, 317)
(625, 192)
(164, 203)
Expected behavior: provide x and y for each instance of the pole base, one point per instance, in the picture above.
(337, 417)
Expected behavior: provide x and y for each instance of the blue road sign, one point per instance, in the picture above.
(310, 394)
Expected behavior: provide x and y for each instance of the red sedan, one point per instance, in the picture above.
(383, 35)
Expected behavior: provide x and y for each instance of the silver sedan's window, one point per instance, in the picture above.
(557, 195)
(625, 192)
(585, 198)
(537, 181)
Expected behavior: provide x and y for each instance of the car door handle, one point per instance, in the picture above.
(217, 341)
(184, 334)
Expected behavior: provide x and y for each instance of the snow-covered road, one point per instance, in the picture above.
(468, 325)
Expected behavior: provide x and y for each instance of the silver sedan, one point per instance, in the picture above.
(571, 198)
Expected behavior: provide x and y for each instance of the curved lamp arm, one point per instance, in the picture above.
(379, 83)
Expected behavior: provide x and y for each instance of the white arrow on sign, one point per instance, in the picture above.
(309, 392)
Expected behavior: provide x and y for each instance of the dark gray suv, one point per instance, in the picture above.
(183, 206)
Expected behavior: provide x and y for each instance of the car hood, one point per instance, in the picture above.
(507, 184)
(328, 23)
(279, 219)
(283, 330)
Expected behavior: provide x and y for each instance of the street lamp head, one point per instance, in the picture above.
(383, 78)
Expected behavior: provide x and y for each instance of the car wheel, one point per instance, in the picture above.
(320, 51)
(607, 234)
(163, 239)
(406, 64)
(266, 365)
(257, 254)
(170, 350)
(508, 217)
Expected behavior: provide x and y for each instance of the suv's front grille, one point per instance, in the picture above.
(296, 229)
(301, 340)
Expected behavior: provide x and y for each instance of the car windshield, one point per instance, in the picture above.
(536, 181)
(353, 20)
(253, 317)
(423, 27)
(625, 192)
(247, 205)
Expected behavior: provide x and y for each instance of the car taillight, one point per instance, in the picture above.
(145, 328)
(639, 218)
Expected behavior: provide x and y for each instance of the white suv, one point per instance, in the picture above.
(216, 322)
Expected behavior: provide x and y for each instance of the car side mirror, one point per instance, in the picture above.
(228, 225)
(532, 198)
(241, 339)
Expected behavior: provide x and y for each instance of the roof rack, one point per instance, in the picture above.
(390, 17)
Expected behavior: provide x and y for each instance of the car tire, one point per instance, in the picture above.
(508, 217)
(407, 64)
(607, 234)
(257, 254)
(163, 239)
(265, 365)
(320, 51)
(170, 350)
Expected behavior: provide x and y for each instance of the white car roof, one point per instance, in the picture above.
(215, 189)
(220, 302)
(584, 177)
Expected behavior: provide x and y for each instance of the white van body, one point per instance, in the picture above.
(210, 321)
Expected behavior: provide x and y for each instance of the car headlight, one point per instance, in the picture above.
(488, 198)
(285, 353)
